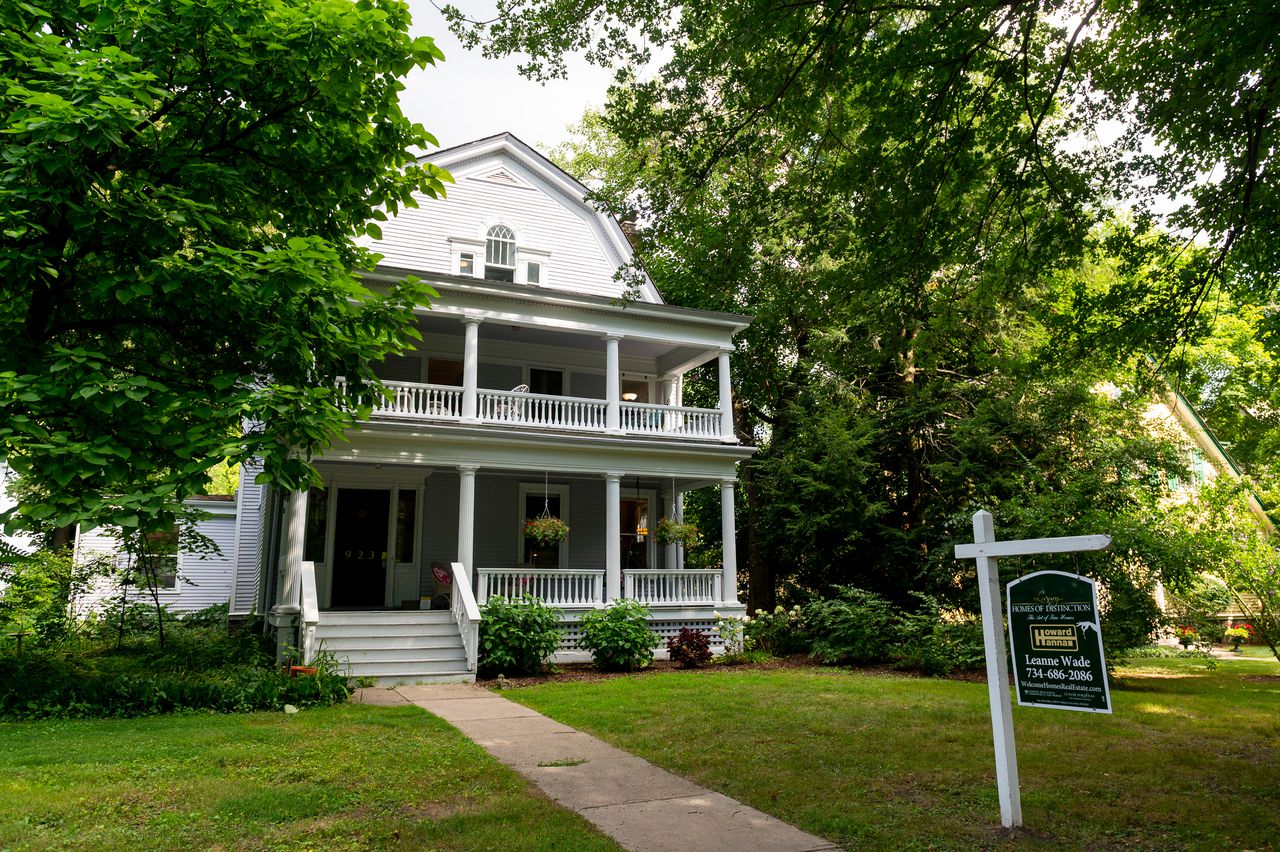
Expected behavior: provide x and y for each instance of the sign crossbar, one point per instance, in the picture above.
(1033, 546)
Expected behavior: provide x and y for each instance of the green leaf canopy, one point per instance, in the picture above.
(184, 185)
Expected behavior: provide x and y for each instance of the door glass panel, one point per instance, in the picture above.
(535, 554)
(317, 524)
(635, 533)
(406, 516)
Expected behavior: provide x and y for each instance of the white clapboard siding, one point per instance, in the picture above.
(248, 541)
(209, 575)
(569, 238)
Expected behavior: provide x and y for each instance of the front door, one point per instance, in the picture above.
(360, 548)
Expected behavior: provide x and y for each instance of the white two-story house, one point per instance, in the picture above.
(540, 387)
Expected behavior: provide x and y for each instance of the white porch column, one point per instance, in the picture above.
(729, 536)
(612, 536)
(283, 616)
(613, 384)
(470, 366)
(295, 531)
(726, 400)
(467, 517)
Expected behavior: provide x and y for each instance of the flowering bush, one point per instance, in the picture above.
(777, 632)
(1185, 634)
(546, 530)
(674, 532)
(732, 633)
(690, 648)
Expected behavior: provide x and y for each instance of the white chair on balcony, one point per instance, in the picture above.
(513, 409)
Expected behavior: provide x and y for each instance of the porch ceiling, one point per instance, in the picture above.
(667, 356)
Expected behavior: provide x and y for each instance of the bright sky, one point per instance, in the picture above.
(468, 97)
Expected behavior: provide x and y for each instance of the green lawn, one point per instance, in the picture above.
(1189, 760)
(350, 777)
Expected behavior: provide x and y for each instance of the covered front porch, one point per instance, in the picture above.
(385, 537)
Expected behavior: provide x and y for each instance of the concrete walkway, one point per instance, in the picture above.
(642, 807)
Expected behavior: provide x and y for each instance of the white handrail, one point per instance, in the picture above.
(466, 614)
(413, 400)
(646, 418)
(657, 587)
(538, 409)
(554, 586)
(310, 607)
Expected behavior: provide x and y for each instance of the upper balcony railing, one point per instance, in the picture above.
(415, 401)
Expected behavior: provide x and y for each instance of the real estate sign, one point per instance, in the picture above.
(1056, 642)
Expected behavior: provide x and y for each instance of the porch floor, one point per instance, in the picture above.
(642, 807)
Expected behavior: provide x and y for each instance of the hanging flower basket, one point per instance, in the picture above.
(674, 532)
(546, 529)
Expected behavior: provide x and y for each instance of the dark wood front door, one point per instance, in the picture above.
(360, 548)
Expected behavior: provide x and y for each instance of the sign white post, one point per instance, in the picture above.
(985, 551)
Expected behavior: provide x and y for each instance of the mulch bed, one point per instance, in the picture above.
(587, 673)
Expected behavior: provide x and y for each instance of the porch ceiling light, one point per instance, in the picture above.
(630, 396)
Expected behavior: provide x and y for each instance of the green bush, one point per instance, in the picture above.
(216, 615)
(855, 628)
(50, 683)
(517, 636)
(928, 641)
(619, 637)
(36, 592)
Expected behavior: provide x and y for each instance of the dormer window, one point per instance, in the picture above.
(500, 254)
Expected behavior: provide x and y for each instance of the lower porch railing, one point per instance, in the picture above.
(673, 587)
(554, 586)
(586, 587)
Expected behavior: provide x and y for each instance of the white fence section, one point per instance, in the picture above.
(554, 586)
(466, 614)
(645, 418)
(414, 400)
(536, 409)
(673, 587)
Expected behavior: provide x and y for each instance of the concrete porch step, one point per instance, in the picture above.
(406, 668)
(398, 617)
(348, 630)
(380, 656)
(349, 642)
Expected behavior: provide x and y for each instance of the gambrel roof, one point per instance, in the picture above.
(501, 181)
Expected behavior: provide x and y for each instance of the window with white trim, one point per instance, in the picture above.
(535, 498)
(500, 254)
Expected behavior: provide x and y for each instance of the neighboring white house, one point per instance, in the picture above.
(188, 581)
(540, 384)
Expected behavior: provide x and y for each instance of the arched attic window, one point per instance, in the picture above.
(500, 254)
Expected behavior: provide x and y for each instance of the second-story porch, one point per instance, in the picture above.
(517, 358)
